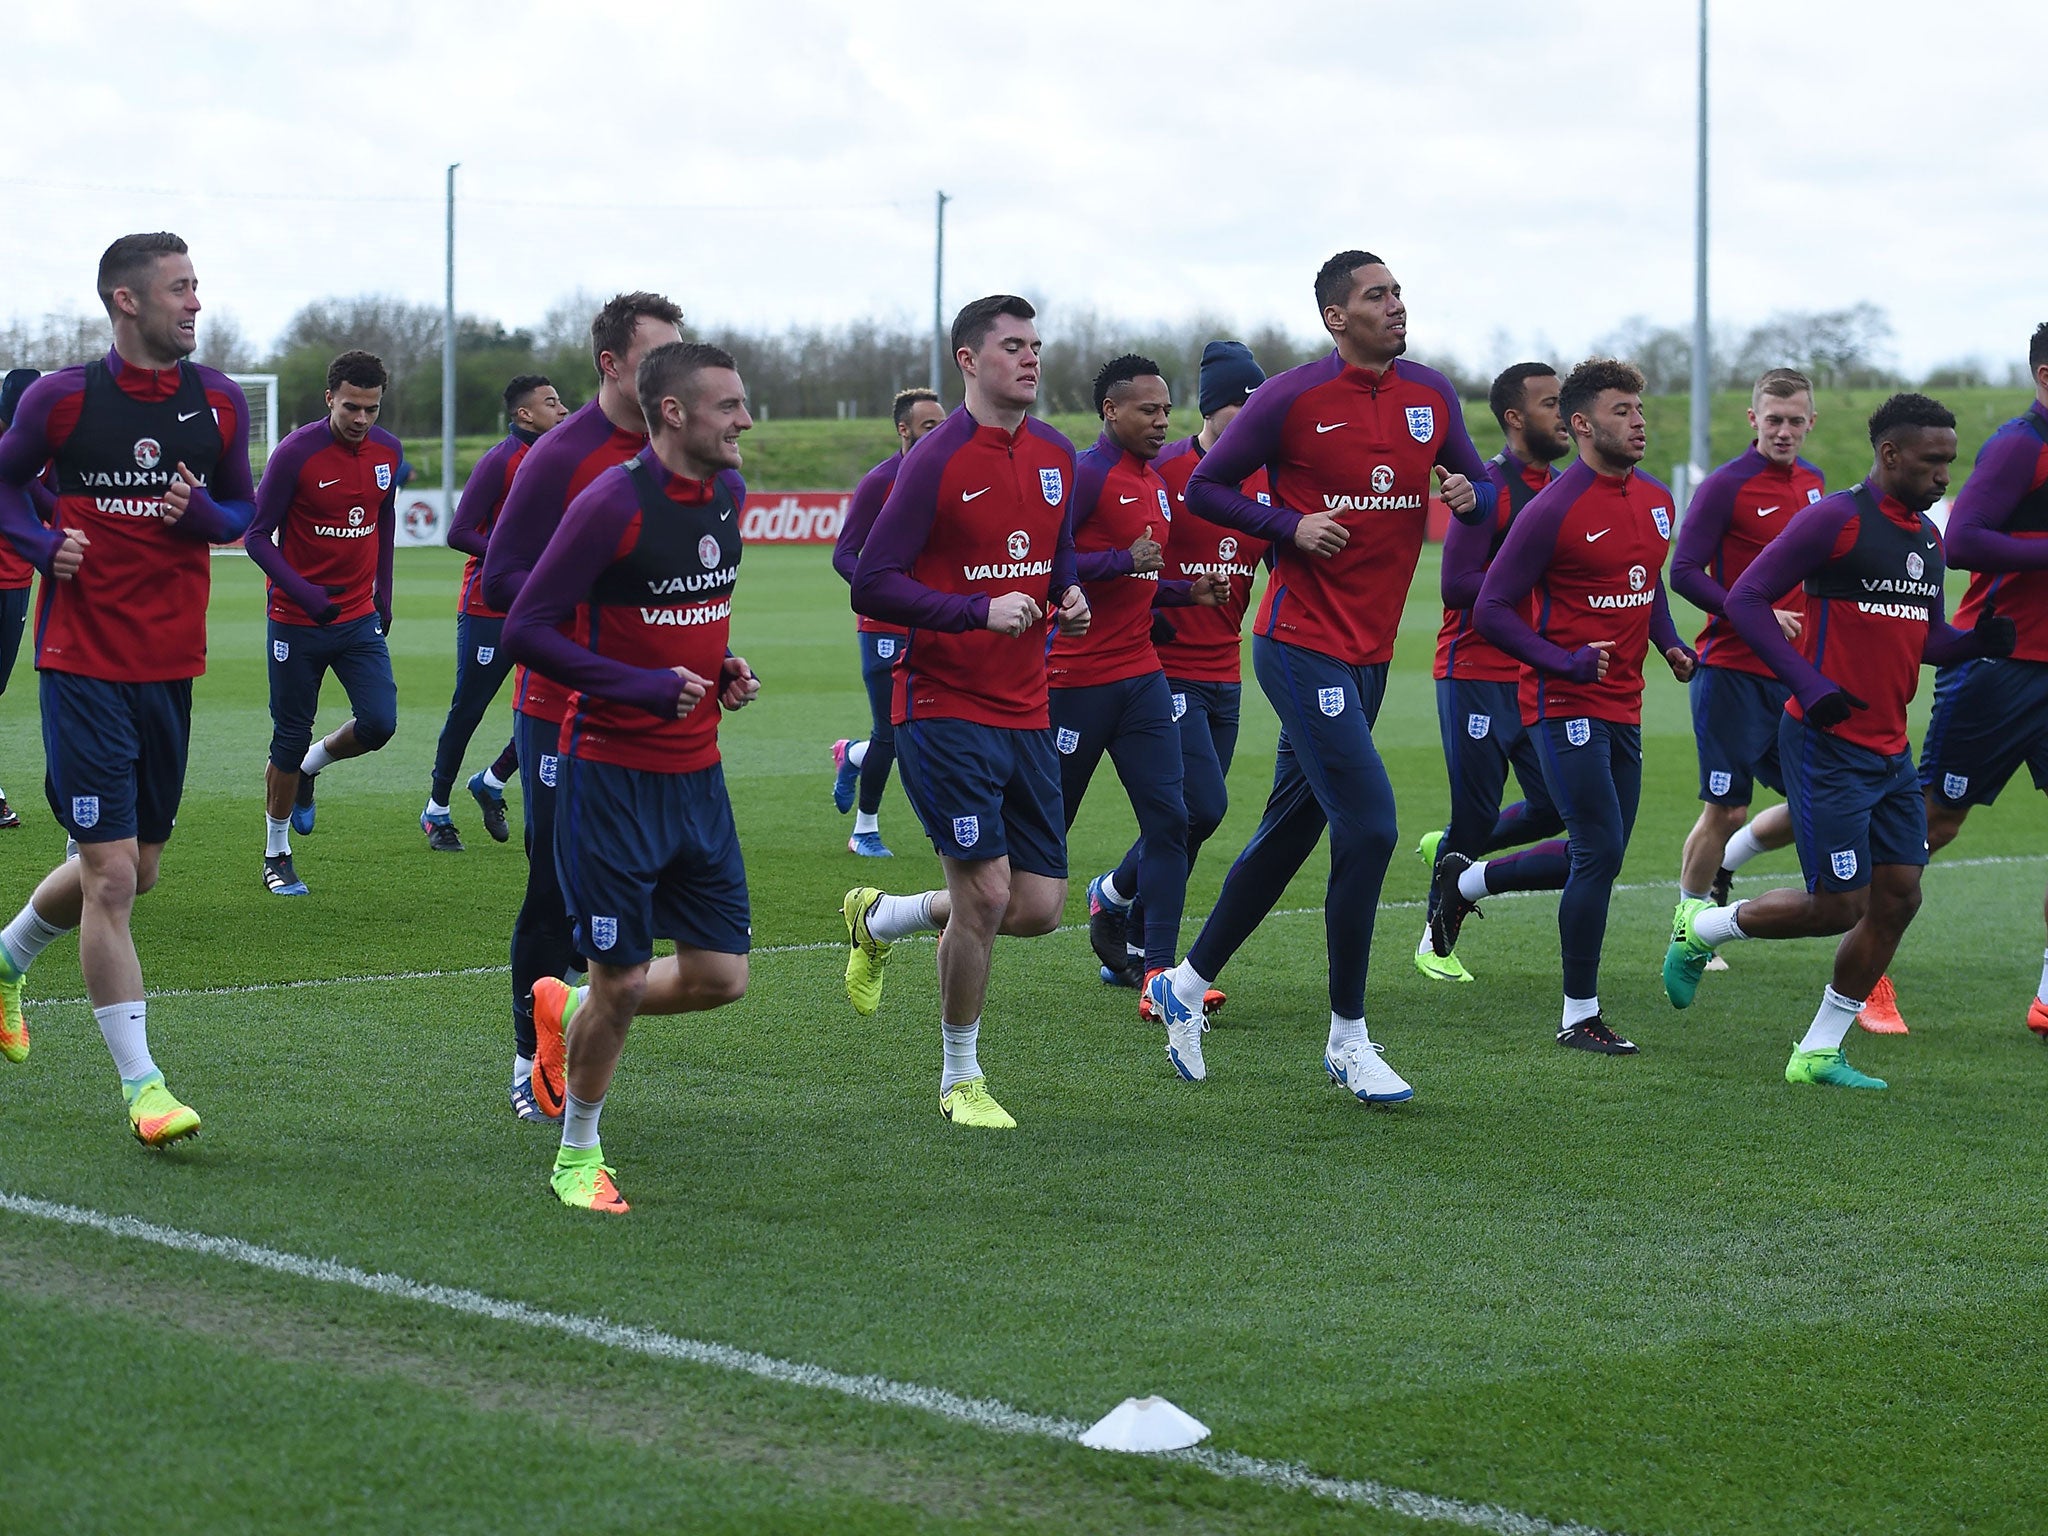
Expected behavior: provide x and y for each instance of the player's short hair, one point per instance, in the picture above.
(522, 386)
(1593, 378)
(2037, 349)
(129, 259)
(666, 372)
(365, 370)
(612, 330)
(1121, 370)
(975, 320)
(899, 408)
(1333, 279)
(1780, 384)
(1908, 413)
(1508, 393)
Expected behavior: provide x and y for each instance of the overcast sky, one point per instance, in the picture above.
(1527, 170)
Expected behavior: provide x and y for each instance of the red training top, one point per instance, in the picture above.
(1118, 498)
(1208, 643)
(329, 510)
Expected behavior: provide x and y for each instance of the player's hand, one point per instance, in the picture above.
(1683, 662)
(1210, 591)
(694, 689)
(1831, 709)
(178, 495)
(1321, 535)
(332, 611)
(1163, 632)
(384, 620)
(1147, 554)
(1073, 615)
(1590, 662)
(738, 687)
(1789, 623)
(1012, 613)
(1995, 634)
(70, 555)
(1456, 491)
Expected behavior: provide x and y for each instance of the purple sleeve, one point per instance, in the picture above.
(883, 587)
(387, 544)
(1946, 645)
(273, 505)
(1664, 633)
(2004, 473)
(1699, 544)
(1066, 572)
(861, 512)
(561, 580)
(1250, 442)
(24, 450)
(43, 499)
(1090, 474)
(1467, 548)
(1174, 594)
(484, 489)
(1807, 544)
(1459, 456)
(1523, 558)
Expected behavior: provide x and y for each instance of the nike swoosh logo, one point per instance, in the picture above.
(970, 495)
(188, 415)
(1125, 501)
(1765, 511)
(1595, 538)
(725, 516)
(1333, 426)
(326, 483)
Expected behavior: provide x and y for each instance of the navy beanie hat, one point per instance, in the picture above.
(13, 387)
(1229, 373)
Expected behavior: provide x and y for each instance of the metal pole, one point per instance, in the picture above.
(448, 363)
(939, 297)
(1702, 454)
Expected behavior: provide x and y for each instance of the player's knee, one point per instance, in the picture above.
(980, 902)
(1597, 859)
(1943, 823)
(1207, 805)
(1725, 819)
(724, 982)
(373, 731)
(287, 752)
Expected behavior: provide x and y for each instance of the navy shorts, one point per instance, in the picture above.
(1735, 719)
(1852, 808)
(114, 755)
(644, 856)
(986, 792)
(1989, 717)
(301, 655)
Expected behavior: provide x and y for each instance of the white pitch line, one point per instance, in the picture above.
(979, 1412)
(921, 938)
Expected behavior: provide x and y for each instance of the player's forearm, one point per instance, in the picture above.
(531, 636)
(1947, 646)
(1498, 617)
(1103, 564)
(270, 560)
(1663, 633)
(1174, 594)
(213, 521)
(1222, 502)
(1466, 548)
(897, 597)
(1751, 614)
(32, 539)
(1973, 544)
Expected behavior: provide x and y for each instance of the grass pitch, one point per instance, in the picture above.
(1667, 1294)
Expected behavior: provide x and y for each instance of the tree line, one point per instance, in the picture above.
(856, 369)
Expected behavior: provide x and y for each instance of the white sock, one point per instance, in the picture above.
(866, 821)
(123, 1027)
(492, 782)
(277, 836)
(579, 1122)
(1345, 1033)
(1423, 946)
(1719, 925)
(1472, 883)
(28, 936)
(961, 1065)
(436, 808)
(1192, 989)
(1742, 847)
(317, 757)
(1112, 895)
(856, 752)
(2041, 992)
(1579, 1009)
(1831, 1026)
(897, 917)
(1685, 895)
(522, 1068)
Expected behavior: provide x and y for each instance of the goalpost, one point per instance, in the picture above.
(261, 389)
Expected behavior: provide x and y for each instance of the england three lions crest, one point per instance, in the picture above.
(1054, 486)
(1661, 516)
(1422, 422)
(383, 477)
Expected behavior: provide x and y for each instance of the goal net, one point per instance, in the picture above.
(261, 389)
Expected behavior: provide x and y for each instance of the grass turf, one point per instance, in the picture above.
(1666, 1294)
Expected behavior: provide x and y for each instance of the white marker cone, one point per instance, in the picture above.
(1145, 1424)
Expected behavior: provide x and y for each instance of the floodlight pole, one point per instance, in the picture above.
(1702, 402)
(448, 363)
(939, 296)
